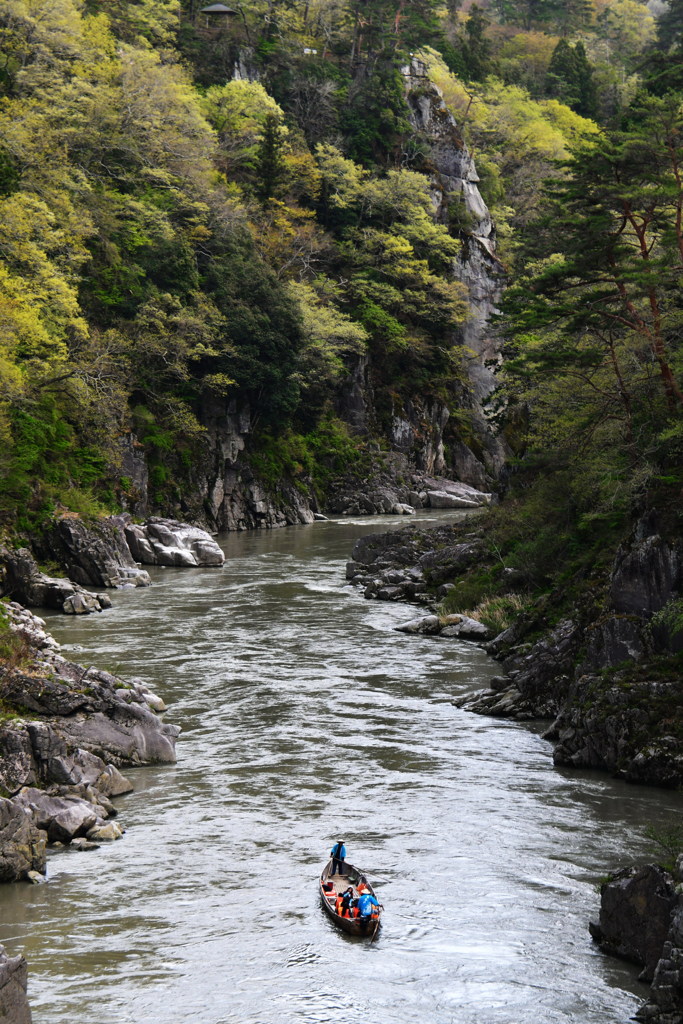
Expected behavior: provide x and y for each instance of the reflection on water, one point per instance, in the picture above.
(307, 718)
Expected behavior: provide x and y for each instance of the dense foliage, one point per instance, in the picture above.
(197, 207)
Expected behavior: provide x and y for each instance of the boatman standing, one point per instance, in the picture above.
(338, 853)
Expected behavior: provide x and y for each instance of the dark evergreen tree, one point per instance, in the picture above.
(570, 78)
(472, 56)
(270, 166)
(528, 13)
(572, 15)
(663, 70)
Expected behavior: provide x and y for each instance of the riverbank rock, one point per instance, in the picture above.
(665, 1005)
(404, 564)
(95, 554)
(14, 1008)
(641, 920)
(22, 843)
(168, 542)
(381, 494)
(635, 915)
(627, 723)
(26, 584)
(60, 754)
(448, 625)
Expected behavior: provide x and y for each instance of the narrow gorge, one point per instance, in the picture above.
(340, 495)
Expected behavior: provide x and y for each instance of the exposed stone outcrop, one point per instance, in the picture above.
(461, 626)
(404, 564)
(167, 542)
(94, 554)
(25, 583)
(635, 915)
(104, 553)
(14, 1008)
(665, 1005)
(455, 178)
(614, 705)
(22, 843)
(641, 919)
(60, 755)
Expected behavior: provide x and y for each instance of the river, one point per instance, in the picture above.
(307, 718)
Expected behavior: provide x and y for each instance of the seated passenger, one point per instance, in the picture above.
(366, 905)
(347, 897)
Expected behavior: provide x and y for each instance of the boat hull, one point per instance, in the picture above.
(350, 925)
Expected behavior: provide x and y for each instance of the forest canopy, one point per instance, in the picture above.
(196, 210)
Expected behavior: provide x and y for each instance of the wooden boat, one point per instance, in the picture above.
(351, 877)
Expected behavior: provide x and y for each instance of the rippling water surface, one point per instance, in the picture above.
(307, 718)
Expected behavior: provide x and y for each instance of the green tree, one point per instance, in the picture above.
(570, 78)
(472, 55)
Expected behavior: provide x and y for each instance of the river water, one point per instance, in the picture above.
(307, 718)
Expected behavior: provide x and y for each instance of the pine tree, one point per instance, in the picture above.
(570, 78)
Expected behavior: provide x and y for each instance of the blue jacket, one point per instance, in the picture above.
(365, 904)
(342, 853)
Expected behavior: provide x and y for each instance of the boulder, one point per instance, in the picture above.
(444, 563)
(169, 542)
(62, 817)
(105, 833)
(127, 735)
(81, 604)
(94, 555)
(428, 625)
(665, 1005)
(401, 509)
(635, 915)
(29, 586)
(444, 499)
(112, 783)
(14, 1008)
(456, 489)
(22, 843)
(465, 627)
(17, 766)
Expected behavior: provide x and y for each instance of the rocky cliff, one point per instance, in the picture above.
(418, 435)
(604, 667)
(608, 673)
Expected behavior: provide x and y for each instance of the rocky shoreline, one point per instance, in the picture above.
(107, 553)
(65, 733)
(604, 677)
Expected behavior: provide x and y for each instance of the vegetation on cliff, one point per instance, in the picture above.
(235, 207)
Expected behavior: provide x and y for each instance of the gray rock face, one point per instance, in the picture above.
(455, 176)
(168, 542)
(26, 584)
(22, 843)
(61, 817)
(449, 626)
(665, 1005)
(635, 915)
(95, 555)
(126, 735)
(61, 766)
(646, 575)
(400, 565)
(14, 1008)
(17, 765)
